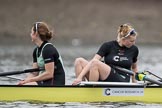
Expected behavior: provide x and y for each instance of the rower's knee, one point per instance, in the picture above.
(94, 63)
(78, 61)
(79, 65)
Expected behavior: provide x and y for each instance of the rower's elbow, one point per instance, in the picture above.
(50, 75)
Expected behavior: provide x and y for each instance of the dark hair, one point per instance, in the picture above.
(43, 30)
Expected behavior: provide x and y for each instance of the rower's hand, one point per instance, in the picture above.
(76, 81)
(22, 82)
(134, 79)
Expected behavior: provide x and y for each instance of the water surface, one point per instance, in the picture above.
(19, 57)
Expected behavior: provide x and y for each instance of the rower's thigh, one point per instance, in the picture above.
(103, 69)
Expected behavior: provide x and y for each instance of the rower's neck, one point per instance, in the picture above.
(120, 43)
(39, 43)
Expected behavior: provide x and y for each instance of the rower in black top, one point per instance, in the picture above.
(47, 53)
(121, 52)
(116, 55)
(46, 56)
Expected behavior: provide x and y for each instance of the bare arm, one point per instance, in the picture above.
(49, 71)
(33, 74)
(135, 70)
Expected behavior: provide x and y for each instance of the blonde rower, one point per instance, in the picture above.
(121, 52)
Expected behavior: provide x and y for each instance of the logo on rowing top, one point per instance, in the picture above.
(116, 58)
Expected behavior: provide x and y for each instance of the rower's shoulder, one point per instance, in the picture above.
(135, 47)
(109, 43)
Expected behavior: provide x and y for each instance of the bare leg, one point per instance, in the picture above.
(80, 63)
(98, 70)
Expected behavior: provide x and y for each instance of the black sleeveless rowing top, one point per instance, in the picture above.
(47, 53)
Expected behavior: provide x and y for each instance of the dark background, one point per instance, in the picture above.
(80, 21)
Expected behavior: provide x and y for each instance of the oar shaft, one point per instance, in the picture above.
(153, 81)
(143, 77)
(15, 78)
(20, 72)
(11, 73)
(124, 70)
(154, 75)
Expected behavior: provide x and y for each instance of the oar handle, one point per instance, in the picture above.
(21, 72)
